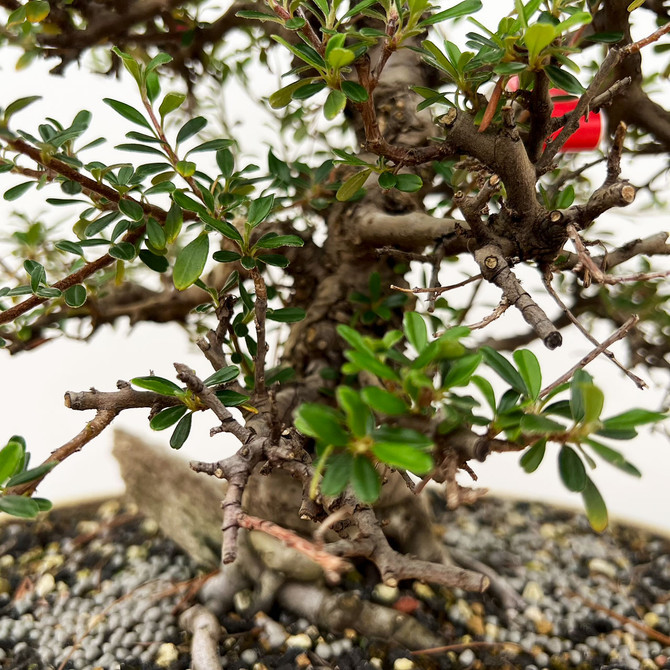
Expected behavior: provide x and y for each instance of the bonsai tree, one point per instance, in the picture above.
(341, 267)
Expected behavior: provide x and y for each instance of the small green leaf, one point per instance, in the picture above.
(408, 183)
(226, 256)
(223, 227)
(416, 330)
(353, 338)
(464, 8)
(17, 191)
(157, 385)
(223, 376)
(359, 419)
(173, 223)
(133, 210)
(167, 417)
(484, 385)
(273, 259)
(355, 92)
(25, 508)
(406, 436)
(387, 180)
(335, 103)
(286, 314)
(614, 457)
(181, 432)
(593, 399)
(37, 10)
(403, 457)
(339, 58)
(277, 241)
(322, 423)
(372, 364)
(284, 95)
(75, 296)
(158, 60)
(155, 234)
(154, 261)
(259, 210)
(11, 457)
(633, 418)
(190, 262)
(190, 128)
(123, 251)
(19, 104)
(127, 112)
(461, 370)
(532, 457)
(31, 474)
(171, 101)
(580, 379)
(538, 36)
(365, 480)
(571, 469)
(337, 474)
(529, 368)
(231, 398)
(383, 401)
(563, 79)
(352, 185)
(505, 369)
(596, 510)
(538, 423)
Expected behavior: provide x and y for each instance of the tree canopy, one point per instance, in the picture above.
(326, 292)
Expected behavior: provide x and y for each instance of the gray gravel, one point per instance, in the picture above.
(102, 589)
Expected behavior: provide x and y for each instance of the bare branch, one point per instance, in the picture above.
(614, 337)
(496, 270)
(93, 428)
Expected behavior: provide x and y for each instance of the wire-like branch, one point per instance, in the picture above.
(618, 334)
(93, 428)
(640, 383)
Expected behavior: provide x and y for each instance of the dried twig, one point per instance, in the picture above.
(333, 566)
(614, 337)
(640, 383)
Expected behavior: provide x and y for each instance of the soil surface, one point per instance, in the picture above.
(96, 586)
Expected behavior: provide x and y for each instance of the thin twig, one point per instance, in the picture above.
(640, 383)
(634, 47)
(93, 428)
(333, 566)
(614, 337)
(502, 307)
(647, 630)
(260, 311)
(438, 290)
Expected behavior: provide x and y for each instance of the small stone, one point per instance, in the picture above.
(648, 664)
(403, 664)
(603, 567)
(167, 655)
(406, 604)
(323, 650)
(299, 641)
(302, 661)
(249, 656)
(423, 591)
(467, 657)
(533, 592)
(242, 600)
(652, 619)
(45, 584)
(385, 594)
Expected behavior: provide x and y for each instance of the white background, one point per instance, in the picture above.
(33, 383)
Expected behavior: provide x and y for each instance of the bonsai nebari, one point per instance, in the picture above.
(457, 154)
